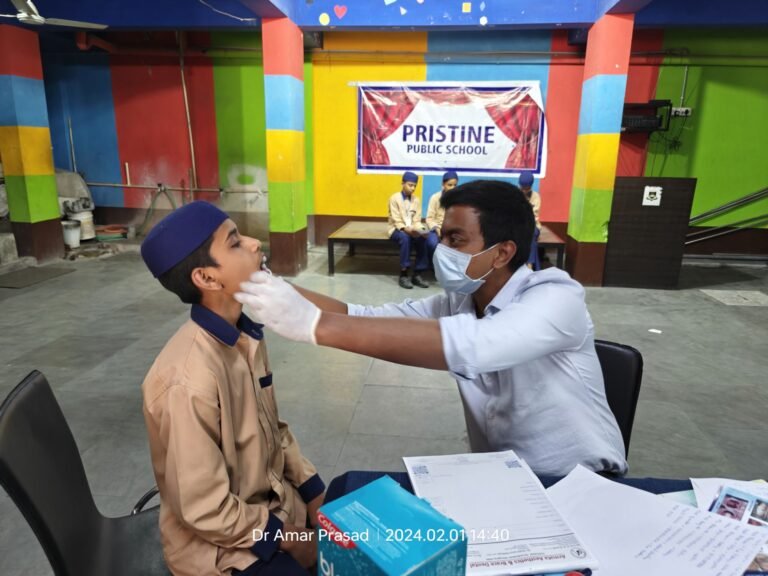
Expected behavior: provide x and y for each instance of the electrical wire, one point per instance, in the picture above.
(669, 145)
(227, 14)
(150, 212)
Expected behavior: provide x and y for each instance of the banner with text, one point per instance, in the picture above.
(486, 128)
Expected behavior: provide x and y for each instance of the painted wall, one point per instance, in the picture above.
(471, 68)
(309, 135)
(240, 113)
(339, 190)
(724, 141)
(151, 122)
(25, 139)
(641, 87)
(79, 92)
(130, 108)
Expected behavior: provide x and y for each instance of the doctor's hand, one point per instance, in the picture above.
(278, 306)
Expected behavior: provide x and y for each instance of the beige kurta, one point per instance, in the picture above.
(403, 213)
(435, 213)
(535, 201)
(224, 462)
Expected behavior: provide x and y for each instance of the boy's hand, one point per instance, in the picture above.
(278, 306)
(301, 544)
(312, 507)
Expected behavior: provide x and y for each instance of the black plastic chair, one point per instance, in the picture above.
(41, 469)
(622, 373)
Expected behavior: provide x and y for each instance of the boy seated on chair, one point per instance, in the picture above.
(236, 493)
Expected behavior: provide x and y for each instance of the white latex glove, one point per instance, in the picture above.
(278, 306)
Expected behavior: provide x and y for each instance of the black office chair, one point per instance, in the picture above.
(41, 469)
(622, 373)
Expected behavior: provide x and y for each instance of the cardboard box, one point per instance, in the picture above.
(382, 529)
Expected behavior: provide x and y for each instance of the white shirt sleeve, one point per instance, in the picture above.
(432, 307)
(545, 320)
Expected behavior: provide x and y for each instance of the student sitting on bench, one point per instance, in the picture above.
(436, 213)
(405, 228)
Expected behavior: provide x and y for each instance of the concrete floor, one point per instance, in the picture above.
(95, 332)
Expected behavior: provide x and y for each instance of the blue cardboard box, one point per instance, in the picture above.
(381, 529)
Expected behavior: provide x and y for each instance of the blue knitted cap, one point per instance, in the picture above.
(526, 179)
(179, 234)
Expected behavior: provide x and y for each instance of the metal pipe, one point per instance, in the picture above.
(72, 145)
(736, 61)
(731, 225)
(685, 84)
(723, 230)
(729, 206)
(191, 194)
(182, 42)
(672, 52)
(147, 187)
(127, 174)
(727, 256)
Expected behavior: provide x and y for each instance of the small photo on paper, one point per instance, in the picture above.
(733, 507)
(732, 503)
(760, 511)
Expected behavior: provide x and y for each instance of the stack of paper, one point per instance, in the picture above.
(510, 524)
(634, 533)
(745, 502)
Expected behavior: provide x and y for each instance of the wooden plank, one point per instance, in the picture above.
(361, 230)
(547, 237)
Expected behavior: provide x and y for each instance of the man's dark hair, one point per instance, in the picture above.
(504, 212)
(179, 278)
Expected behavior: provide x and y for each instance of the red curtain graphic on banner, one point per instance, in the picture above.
(382, 115)
(435, 126)
(520, 122)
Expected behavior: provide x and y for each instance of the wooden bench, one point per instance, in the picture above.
(548, 239)
(357, 232)
(375, 233)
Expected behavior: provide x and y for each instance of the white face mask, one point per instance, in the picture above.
(451, 269)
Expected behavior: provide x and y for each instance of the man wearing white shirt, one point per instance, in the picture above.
(519, 343)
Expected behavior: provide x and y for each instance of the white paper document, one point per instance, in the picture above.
(510, 524)
(635, 533)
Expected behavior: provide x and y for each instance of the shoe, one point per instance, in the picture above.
(418, 281)
(405, 282)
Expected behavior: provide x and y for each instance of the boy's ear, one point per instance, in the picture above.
(205, 279)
